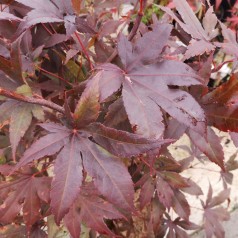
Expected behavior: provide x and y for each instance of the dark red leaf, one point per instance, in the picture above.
(115, 184)
(67, 180)
(164, 191)
(180, 205)
(27, 193)
(89, 208)
(209, 145)
(87, 109)
(121, 143)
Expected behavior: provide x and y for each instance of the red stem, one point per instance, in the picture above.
(221, 65)
(54, 75)
(134, 29)
(84, 50)
(22, 98)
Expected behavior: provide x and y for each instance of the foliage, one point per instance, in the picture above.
(91, 98)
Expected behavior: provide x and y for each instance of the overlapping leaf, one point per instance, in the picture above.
(79, 151)
(146, 87)
(221, 105)
(68, 179)
(89, 208)
(209, 145)
(20, 115)
(202, 35)
(215, 214)
(26, 192)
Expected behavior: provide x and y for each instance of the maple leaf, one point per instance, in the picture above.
(224, 94)
(213, 215)
(91, 209)
(220, 105)
(25, 192)
(165, 183)
(229, 45)
(146, 88)
(180, 205)
(177, 227)
(87, 109)
(68, 178)
(20, 115)
(82, 152)
(209, 145)
(202, 35)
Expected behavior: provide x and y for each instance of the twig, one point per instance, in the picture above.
(31, 100)
(54, 75)
(133, 30)
(84, 50)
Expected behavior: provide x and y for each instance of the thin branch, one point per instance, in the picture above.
(84, 50)
(54, 75)
(134, 28)
(41, 102)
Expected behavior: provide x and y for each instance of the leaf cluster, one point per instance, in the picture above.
(90, 105)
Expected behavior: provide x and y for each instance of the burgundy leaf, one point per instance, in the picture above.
(110, 78)
(212, 219)
(164, 191)
(192, 23)
(89, 208)
(209, 145)
(115, 184)
(180, 205)
(198, 47)
(151, 82)
(67, 180)
(147, 190)
(42, 12)
(46, 145)
(116, 114)
(174, 179)
(209, 22)
(20, 121)
(27, 192)
(87, 109)
(223, 117)
(121, 143)
(142, 52)
(144, 114)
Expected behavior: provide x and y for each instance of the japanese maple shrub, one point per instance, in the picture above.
(89, 107)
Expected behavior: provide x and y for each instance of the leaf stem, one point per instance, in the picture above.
(133, 30)
(54, 75)
(84, 50)
(41, 102)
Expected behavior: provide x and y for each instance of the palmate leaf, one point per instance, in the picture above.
(42, 12)
(223, 117)
(146, 87)
(221, 106)
(89, 208)
(209, 145)
(227, 93)
(20, 116)
(201, 35)
(214, 214)
(68, 178)
(79, 151)
(166, 184)
(87, 109)
(121, 143)
(26, 192)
